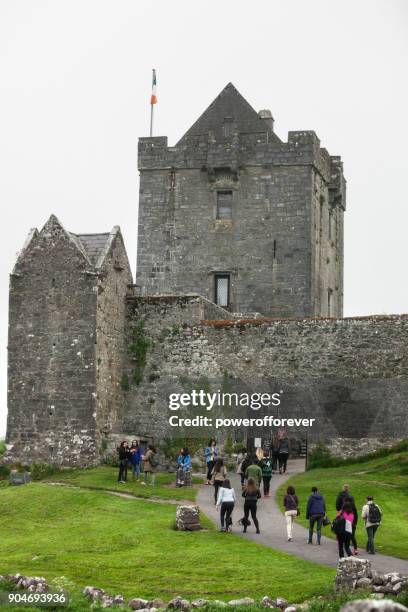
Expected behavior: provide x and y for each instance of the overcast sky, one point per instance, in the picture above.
(75, 80)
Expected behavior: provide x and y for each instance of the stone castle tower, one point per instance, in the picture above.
(236, 215)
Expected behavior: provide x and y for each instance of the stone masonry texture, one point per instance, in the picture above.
(282, 246)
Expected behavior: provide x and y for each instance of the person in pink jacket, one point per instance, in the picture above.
(344, 537)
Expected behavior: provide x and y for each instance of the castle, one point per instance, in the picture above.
(239, 285)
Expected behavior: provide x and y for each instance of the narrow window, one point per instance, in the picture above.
(172, 178)
(329, 302)
(330, 225)
(274, 249)
(222, 290)
(224, 205)
(227, 127)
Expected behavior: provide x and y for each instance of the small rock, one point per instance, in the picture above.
(178, 603)
(280, 603)
(266, 602)
(291, 609)
(199, 603)
(155, 603)
(137, 604)
(245, 601)
(363, 583)
(378, 578)
(370, 605)
(118, 600)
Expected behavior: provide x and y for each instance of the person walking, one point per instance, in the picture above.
(253, 470)
(124, 455)
(315, 512)
(226, 501)
(135, 459)
(283, 454)
(211, 455)
(150, 464)
(266, 467)
(291, 505)
(241, 467)
(251, 494)
(218, 475)
(275, 453)
(372, 516)
(343, 496)
(345, 521)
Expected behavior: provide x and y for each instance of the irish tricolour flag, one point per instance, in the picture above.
(153, 98)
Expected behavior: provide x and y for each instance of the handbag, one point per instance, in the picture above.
(326, 521)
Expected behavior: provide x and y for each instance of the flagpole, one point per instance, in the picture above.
(151, 119)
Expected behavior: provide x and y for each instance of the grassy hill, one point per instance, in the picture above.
(130, 546)
(384, 477)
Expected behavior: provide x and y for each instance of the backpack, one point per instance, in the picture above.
(339, 525)
(266, 467)
(374, 513)
(154, 462)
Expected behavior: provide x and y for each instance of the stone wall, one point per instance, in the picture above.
(51, 349)
(350, 374)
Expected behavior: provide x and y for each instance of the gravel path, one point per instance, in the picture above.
(273, 527)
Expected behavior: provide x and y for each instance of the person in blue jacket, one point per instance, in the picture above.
(211, 456)
(315, 512)
(135, 459)
(183, 466)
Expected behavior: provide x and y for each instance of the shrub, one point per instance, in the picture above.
(320, 456)
(4, 472)
(40, 470)
(2, 447)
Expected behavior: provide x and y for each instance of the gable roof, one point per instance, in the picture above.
(94, 245)
(228, 104)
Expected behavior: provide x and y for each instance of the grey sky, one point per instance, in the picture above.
(75, 80)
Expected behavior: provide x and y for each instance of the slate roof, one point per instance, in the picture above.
(94, 245)
(229, 103)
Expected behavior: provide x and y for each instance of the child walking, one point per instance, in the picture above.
(291, 504)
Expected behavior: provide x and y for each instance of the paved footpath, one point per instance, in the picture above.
(273, 527)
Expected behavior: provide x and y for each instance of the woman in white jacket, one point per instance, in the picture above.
(226, 500)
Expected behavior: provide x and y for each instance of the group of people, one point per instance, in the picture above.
(137, 458)
(344, 524)
(257, 469)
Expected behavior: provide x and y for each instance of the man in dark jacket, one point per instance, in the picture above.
(315, 511)
(341, 498)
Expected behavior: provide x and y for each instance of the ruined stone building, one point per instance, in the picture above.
(231, 220)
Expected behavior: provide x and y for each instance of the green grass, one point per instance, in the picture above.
(386, 478)
(105, 477)
(129, 546)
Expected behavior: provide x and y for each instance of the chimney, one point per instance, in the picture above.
(266, 115)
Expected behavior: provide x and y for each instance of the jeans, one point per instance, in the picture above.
(283, 459)
(344, 540)
(217, 484)
(371, 531)
(353, 538)
(266, 484)
(242, 479)
(250, 507)
(289, 516)
(318, 519)
(226, 511)
(136, 470)
(123, 466)
(210, 465)
(275, 457)
(153, 476)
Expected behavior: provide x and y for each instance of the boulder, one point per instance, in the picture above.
(281, 603)
(188, 518)
(137, 603)
(372, 605)
(244, 601)
(199, 603)
(155, 603)
(364, 583)
(349, 571)
(378, 578)
(291, 609)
